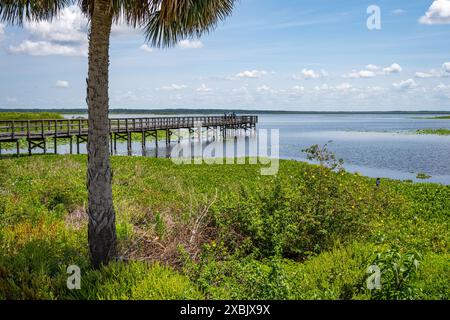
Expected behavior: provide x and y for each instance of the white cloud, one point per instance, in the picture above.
(446, 69)
(62, 84)
(360, 74)
(45, 48)
(188, 44)
(375, 89)
(173, 87)
(298, 88)
(372, 67)
(442, 87)
(203, 89)
(438, 13)
(344, 87)
(70, 26)
(405, 85)
(323, 87)
(372, 70)
(146, 48)
(65, 35)
(430, 74)
(393, 68)
(310, 74)
(252, 74)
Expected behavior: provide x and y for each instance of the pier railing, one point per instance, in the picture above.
(12, 130)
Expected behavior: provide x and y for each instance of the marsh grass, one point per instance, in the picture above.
(441, 132)
(30, 116)
(219, 231)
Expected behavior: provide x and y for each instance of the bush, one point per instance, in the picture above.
(305, 212)
(398, 271)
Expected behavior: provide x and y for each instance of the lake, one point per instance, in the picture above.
(375, 145)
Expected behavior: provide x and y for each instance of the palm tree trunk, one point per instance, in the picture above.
(102, 230)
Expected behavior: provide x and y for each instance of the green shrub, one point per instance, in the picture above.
(306, 212)
(398, 272)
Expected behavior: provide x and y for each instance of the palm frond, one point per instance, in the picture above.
(173, 20)
(165, 22)
(18, 11)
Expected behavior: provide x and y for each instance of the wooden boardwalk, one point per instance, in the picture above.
(37, 132)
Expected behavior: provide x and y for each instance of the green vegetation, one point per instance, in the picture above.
(441, 132)
(423, 176)
(442, 117)
(30, 116)
(222, 232)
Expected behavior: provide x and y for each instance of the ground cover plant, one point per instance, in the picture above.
(222, 232)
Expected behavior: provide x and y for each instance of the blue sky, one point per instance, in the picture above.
(279, 55)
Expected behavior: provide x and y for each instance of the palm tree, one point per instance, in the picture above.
(165, 23)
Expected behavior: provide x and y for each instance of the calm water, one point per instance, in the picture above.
(374, 145)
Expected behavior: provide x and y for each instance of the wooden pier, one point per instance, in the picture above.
(37, 132)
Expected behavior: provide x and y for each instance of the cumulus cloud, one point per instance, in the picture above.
(173, 87)
(430, 74)
(62, 84)
(323, 87)
(203, 89)
(308, 74)
(372, 70)
(146, 48)
(375, 89)
(442, 87)
(298, 88)
(45, 48)
(393, 68)
(360, 74)
(71, 26)
(65, 35)
(405, 85)
(433, 73)
(446, 69)
(344, 86)
(189, 44)
(252, 74)
(372, 67)
(438, 13)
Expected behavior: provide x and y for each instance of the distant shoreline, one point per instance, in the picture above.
(222, 111)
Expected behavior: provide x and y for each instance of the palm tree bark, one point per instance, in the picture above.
(101, 232)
